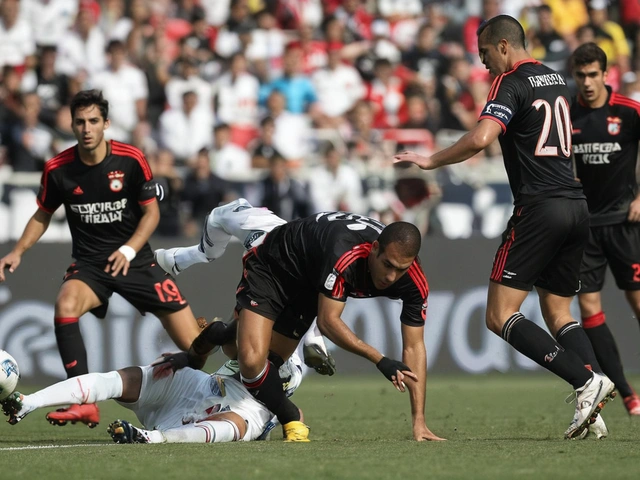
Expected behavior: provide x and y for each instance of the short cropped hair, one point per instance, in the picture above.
(86, 98)
(588, 53)
(405, 234)
(503, 26)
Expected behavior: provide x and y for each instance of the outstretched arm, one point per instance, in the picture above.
(414, 354)
(482, 135)
(331, 326)
(35, 228)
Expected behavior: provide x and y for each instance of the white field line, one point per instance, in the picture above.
(39, 447)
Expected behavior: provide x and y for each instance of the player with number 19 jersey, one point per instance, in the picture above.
(545, 237)
(325, 253)
(103, 204)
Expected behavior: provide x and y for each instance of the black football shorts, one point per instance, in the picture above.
(146, 287)
(292, 309)
(543, 245)
(617, 246)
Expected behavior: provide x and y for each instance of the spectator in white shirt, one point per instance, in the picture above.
(125, 87)
(236, 94)
(189, 81)
(335, 185)
(292, 130)
(82, 50)
(338, 86)
(17, 45)
(49, 19)
(186, 130)
(229, 161)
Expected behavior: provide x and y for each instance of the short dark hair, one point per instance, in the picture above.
(503, 27)
(86, 98)
(115, 45)
(403, 233)
(588, 53)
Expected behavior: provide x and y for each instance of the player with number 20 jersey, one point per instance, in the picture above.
(531, 104)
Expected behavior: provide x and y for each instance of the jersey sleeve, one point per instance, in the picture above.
(145, 185)
(337, 270)
(502, 102)
(49, 196)
(415, 297)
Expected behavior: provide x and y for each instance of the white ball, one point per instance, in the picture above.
(9, 374)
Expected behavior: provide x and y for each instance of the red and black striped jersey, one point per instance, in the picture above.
(531, 105)
(102, 202)
(605, 145)
(328, 253)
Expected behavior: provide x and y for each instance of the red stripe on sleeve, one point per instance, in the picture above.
(499, 122)
(119, 148)
(67, 156)
(617, 99)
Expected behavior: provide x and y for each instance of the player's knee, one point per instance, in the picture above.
(494, 322)
(69, 305)
(251, 361)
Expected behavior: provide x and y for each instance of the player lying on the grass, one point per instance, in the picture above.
(188, 406)
(249, 225)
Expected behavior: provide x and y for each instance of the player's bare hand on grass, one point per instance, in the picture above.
(421, 433)
(407, 156)
(10, 262)
(117, 263)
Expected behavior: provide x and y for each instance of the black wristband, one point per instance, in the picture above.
(389, 367)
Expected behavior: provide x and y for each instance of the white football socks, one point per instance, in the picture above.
(89, 388)
(203, 432)
(236, 219)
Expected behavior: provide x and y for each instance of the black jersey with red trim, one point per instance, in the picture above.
(531, 105)
(605, 145)
(103, 202)
(328, 253)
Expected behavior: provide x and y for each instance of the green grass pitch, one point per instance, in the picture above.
(497, 426)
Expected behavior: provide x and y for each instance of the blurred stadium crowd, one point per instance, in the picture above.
(297, 105)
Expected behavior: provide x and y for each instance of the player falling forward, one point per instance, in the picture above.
(188, 406)
(528, 110)
(250, 225)
(606, 131)
(109, 197)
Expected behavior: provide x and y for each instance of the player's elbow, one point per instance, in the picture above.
(480, 139)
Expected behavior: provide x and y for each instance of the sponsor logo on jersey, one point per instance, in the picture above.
(100, 212)
(77, 190)
(614, 125)
(116, 180)
(595, 153)
(330, 281)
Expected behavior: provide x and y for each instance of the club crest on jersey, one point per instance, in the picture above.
(116, 180)
(614, 125)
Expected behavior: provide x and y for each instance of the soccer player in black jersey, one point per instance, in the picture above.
(109, 198)
(606, 131)
(308, 268)
(528, 110)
